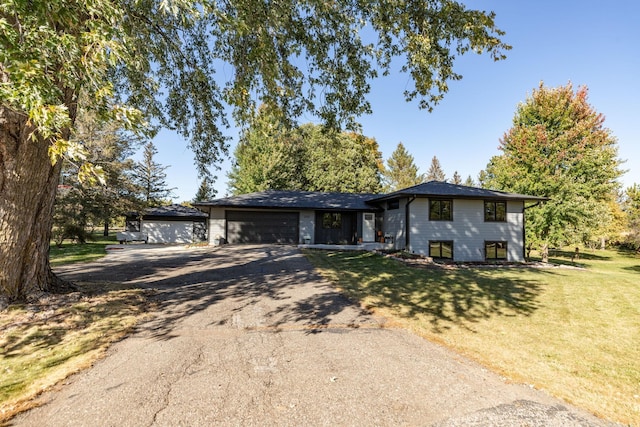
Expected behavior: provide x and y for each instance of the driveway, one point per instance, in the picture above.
(251, 335)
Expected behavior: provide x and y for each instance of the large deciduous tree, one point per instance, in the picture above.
(271, 156)
(159, 60)
(401, 171)
(558, 147)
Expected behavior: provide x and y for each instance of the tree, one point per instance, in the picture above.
(558, 147)
(457, 179)
(150, 178)
(205, 191)
(339, 161)
(108, 146)
(271, 156)
(401, 171)
(435, 172)
(631, 208)
(156, 62)
(469, 182)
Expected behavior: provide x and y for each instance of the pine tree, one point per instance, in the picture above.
(205, 191)
(469, 182)
(435, 172)
(457, 179)
(401, 171)
(150, 178)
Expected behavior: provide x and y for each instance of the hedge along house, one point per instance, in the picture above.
(169, 224)
(435, 219)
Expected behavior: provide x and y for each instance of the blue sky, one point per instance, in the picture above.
(587, 42)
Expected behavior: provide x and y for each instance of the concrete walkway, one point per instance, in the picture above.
(251, 335)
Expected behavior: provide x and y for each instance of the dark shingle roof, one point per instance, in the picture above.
(295, 200)
(278, 199)
(445, 189)
(173, 211)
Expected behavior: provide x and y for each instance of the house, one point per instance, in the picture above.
(436, 219)
(166, 224)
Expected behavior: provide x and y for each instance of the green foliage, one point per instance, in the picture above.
(300, 56)
(205, 191)
(81, 204)
(401, 171)
(558, 147)
(149, 179)
(435, 172)
(632, 209)
(271, 156)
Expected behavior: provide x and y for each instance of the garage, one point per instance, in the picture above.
(168, 231)
(170, 224)
(262, 227)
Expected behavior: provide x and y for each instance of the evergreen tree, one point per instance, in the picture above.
(435, 172)
(150, 178)
(401, 171)
(457, 179)
(205, 191)
(558, 147)
(469, 182)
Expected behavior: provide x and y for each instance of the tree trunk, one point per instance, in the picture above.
(28, 184)
(544, 252)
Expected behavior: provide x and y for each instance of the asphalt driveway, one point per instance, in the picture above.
(251, 335)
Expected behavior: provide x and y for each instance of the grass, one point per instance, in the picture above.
(46, 340)
(574, 332)
(73, 252)
(43, 342)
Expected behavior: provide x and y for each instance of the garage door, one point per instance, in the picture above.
(168, 231)
(262, 227)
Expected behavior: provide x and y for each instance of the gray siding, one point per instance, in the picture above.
(394, 224)
(468, 230)
(217, 224)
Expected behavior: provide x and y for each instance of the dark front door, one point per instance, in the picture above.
(335, 228)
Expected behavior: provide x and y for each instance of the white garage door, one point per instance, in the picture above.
(168, 231)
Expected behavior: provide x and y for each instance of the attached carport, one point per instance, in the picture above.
(262, 227)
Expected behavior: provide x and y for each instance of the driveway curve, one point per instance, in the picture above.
(252, 335)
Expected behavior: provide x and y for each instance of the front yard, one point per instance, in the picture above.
(571, 331)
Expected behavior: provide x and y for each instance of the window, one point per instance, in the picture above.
(441, 249)
(332, 220)
(495, 211)
(495, 250)
(393, 204)
(440, 210)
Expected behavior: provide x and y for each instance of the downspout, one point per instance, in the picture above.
(524, 231)
(407, 239)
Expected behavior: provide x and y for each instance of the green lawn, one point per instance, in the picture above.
(573, 332)
(74, 252)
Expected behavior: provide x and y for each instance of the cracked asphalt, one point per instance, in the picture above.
(251, 335)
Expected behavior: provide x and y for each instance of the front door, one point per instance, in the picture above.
(335, 228)
(368, 227)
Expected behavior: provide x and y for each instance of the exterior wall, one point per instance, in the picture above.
(307, 226)
(468, 230)
(394, 224)
(217, 224)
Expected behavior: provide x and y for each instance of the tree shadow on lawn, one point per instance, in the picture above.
(441, 296)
